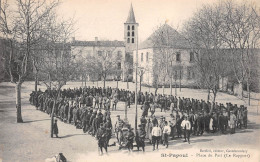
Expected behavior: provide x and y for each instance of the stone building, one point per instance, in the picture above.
(165, 43)
(82, 49)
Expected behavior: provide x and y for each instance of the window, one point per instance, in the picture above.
(128, 40)
(142, 57)
(193, 74)
(189, 73)
(119, 65)
(191, 56)
(130, 71)
(133, 40)
(128, 27)
(133, 27)
(175, 74)
(58, 53)
(178, 56)
(180, 74)
(99, 53)
(109, 53)
(147, 56)
(119, 54)
(128, 34)
(133, 34)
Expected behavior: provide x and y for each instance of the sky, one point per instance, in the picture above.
(105, 18)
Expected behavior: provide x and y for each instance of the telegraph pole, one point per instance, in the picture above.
(136, 66)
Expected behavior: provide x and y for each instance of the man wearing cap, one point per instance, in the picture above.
(140, 137)
(102, 138)
(245, 117)
(130, 139)
(186, 126)
(55, 128)
(118, 127)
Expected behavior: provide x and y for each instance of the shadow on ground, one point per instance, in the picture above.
(71, 135)
(31, 121)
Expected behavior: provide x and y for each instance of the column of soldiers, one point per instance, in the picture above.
(79, 106)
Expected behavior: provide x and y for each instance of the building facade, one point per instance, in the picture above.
(155, 52)
(82, 49)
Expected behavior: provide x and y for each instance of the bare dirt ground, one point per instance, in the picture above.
(30, 141)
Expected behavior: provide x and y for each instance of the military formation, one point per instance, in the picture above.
(89, 109)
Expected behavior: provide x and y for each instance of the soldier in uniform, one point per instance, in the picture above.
(130, 139)
(245, 117)
(55, 128)
(140, 137)
(102, 139)
(118, 128)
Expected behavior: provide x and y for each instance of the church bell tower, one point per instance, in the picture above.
(131, 31)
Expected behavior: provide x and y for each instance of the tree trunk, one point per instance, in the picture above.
(127, 82)
(85, 81)
(180, 82)
(215, 95)
(171, 85)
(240, 88)
(175, 87)
(248, 92)
(117, 83)
(140, 83)
(82, 80)
(208, 94)
(36, 82)
(18, 102)
(163, 89)
(156, 89)
(104, 82)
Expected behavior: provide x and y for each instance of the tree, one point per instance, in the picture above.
(241, 35)
(127, 67)
(140, 72)
(19, 26)
(105, 63)
(203, 32)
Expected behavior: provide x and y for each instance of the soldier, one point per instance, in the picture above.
(245, 117)
(232, 122)
(130, 139)
(186, 126)
(145, 109)
(166, 133)
(140, 137)
(156, 135)
(118, 128)
(178, 124)
(102, 139)
(55, 128)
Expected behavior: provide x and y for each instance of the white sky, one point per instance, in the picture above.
(105, 18)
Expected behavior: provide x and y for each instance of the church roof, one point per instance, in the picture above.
(165, 36)
(131, 16)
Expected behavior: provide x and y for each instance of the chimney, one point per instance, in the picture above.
(96, 39)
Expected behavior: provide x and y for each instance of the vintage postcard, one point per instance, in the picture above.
(129, 80)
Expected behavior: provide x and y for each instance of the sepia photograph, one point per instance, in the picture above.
(129, 80)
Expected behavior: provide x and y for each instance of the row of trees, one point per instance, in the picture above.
(35, 39)
(100, 66)
(224, 36)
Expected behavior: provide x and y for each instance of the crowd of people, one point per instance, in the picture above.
(89, 108)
